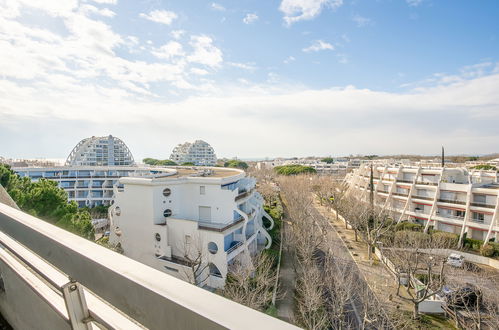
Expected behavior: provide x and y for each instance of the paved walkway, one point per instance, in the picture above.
(379, 279)
(285, 305)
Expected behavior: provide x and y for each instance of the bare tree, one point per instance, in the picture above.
(251, 285)
(410, 264)
(194, 257)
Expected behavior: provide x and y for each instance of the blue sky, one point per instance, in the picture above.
(253, 78)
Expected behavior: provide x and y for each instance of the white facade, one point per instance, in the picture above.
(449, 199)
(100, 151)
(86, 185)
(173, 221)
(198, 153)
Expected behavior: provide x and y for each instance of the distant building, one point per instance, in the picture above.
(455, 200)
(100, 151)
(198, 153)
(185, 220)
(92, 170)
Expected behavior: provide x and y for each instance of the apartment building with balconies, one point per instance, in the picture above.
(457, 200)
(192, 223)
(199, 153)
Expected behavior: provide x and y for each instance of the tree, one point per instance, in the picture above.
(294, 170)
(251, 284)
(236, 164)
(411, 264)
(165, 162)
(187, 164)
(47, 201)
(328, 160)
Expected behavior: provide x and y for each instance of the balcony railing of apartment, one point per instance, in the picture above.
(234, 247)
(427, 183)
(216, 226)
(400, 194)
(450, 216)
(405, 181)
(477, 220)
(244, 193)
(419, 211)
(423, 197)
(451, 201)
(479, 204)
(38, 259)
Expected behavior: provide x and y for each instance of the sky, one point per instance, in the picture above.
(254, 78)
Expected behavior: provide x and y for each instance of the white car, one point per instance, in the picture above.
(455, 260)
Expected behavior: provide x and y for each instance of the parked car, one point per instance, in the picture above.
(455, 260)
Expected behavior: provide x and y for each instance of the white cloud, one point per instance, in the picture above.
(414, 3)
(177, 34)
(361, 21)
(205, 52)
(244, 66)
(108, 2)
(169, 50)
(318, 45)
(199, 72)
(289, 59)
(299, 10)
(94, 10)
(160, 16)
(250, 18)
(217, 6)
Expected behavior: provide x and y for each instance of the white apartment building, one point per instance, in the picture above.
(86, 185)
(92, 169)
(192, 223)
(455, 200)
(339, 168)
(199, 153)
(100, 151)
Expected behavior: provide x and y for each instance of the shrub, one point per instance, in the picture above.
(405, 238)
(444, 239)
(472, 244)
(487, 250)
(408, 226)
(236, 164)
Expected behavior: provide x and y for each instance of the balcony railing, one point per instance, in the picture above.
(56, 255)
(450, 216)
(400, 194)
(216, 226)
(451, 201)
(478, 220)
(427, 183)
(423, 197)
(479, 204)
(234, 247)
(405, 181)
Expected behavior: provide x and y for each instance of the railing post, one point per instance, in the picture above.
(76, 305)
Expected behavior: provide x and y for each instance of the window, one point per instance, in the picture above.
(212, 247)
(205, 213)
(202, 190)
(167, 192)
(478, 217)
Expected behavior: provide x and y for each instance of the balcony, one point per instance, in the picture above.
(234, 247)
(450, 216)
(405, 181)
(400, 194)
(478, 220)
(423, 197)
(452, 201)
(479, 204)
(243, 194)
(217, 226)
(38, 259)
(427, 183)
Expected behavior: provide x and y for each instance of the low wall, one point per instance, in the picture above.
(467, 256)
